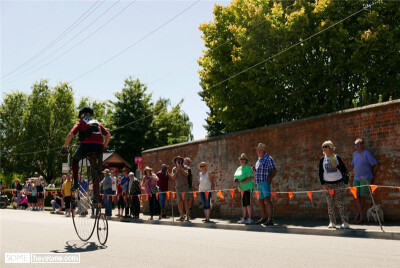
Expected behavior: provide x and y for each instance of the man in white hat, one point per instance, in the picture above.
(265, 170)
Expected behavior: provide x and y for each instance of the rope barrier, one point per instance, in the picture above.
(373, 188)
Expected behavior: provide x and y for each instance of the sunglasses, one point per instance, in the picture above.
(202, 166)
(325, 147)
(357, 144)
(242, 159)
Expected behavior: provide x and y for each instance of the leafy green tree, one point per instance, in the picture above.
(139, 124)
(169, 127)
(11, 129)
(251, 79)
(47, 116)
(131, 120)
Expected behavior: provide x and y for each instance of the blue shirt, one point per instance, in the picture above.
(264, 167)
(108, 181)
(362, 163)
(123, 180)
(83, 186)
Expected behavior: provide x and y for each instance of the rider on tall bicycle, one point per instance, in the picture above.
(91, 134)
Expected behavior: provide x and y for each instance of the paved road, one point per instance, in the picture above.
(144, 245)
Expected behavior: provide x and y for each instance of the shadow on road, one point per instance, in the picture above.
(76, 246)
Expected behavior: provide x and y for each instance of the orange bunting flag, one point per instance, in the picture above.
(241, 193)
(310, 196)
(183, 195)
(147, 197)
(232, 193)
(290, 195)
(373, 188)
(274, 194)
(194, 195)
(258, 195)
(220, 195)
(157, 196)
(47, 193)
(51, 192)
(207, 194)
(168, 195)
(173, 195)
(354, 191)
(331, 192)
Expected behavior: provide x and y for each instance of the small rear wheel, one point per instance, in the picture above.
(102, 228)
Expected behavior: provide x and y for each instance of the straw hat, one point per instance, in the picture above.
(202, 164)
(244, 156)
(147, 168)
(131, 174)
(262, 146)
(106, 171)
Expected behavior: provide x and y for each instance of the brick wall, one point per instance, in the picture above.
(296, 149)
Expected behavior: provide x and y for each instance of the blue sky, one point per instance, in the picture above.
(165, 61)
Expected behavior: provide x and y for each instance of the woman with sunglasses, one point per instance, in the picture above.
(331, 168)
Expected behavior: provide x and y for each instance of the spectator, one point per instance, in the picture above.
(63, 179)
(28, 192)
(125, 193)
(205, 185)
(135, 191)
(120, 201)
(179, 175)
(365, 168)
(113, 185)
(23, 203)
(187, 162)
(18, 188)
(56, 204)
(14, 202)
(66, 191)
(243, 180)
(331, 168)
(51, 184)
(163, 179)
(149, 184)
(40, 194)
(83, 190)
(107, 188)
(265, 171)
(34, 195)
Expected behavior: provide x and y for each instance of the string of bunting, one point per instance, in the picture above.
(353, 190)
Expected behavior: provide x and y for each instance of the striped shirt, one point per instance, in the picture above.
(82, 126)
(264, 167)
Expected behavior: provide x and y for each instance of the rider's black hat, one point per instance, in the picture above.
(85, 110)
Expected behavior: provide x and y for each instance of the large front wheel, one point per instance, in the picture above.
(83, 223)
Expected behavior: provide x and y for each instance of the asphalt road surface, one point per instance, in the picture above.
(148, 245)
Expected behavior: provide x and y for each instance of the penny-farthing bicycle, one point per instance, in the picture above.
(89, 202)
